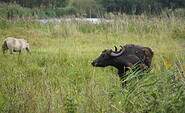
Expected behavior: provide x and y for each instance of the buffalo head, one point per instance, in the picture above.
(107, 57)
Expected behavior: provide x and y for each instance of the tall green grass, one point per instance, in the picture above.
(58, 77)
(15, 11)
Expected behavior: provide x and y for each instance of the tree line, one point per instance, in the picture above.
(94, 8)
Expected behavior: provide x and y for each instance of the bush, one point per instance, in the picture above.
(11, 11)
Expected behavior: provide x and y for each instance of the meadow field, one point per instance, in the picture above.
(57, 77)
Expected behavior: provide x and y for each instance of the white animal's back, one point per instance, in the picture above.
(16, 45)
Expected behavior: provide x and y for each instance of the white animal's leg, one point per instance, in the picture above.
(4, 51)
(11, 47)
(20, 52)
(11, 51)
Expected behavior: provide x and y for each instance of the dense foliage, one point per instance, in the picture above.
(39, 3)
(95, 8)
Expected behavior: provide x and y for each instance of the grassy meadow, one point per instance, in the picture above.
(58, 77)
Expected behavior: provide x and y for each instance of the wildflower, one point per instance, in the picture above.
(167, 63)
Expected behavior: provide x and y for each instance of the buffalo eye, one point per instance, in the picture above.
(105, 55)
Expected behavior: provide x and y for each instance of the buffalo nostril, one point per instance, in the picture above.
(93, 63)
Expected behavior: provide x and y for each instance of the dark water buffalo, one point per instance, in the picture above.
(126, 58)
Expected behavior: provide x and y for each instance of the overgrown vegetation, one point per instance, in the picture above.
(58, 77)
(15, 9)
(95, 6)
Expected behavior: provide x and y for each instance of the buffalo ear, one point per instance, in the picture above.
(109, 51)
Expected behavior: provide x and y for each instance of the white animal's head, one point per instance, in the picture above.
(27, 47)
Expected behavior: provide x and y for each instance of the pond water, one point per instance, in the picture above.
(91, 20)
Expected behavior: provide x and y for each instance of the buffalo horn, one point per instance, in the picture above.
(115, 48)
(118, 54)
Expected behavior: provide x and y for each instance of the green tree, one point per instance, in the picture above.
(88, 8)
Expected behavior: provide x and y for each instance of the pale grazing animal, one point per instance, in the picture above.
(15, 45)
